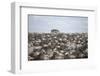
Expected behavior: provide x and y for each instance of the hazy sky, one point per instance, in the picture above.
(62, 23)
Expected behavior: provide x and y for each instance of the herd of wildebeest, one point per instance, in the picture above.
(51, 46)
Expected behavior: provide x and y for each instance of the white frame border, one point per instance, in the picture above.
(16, 29)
